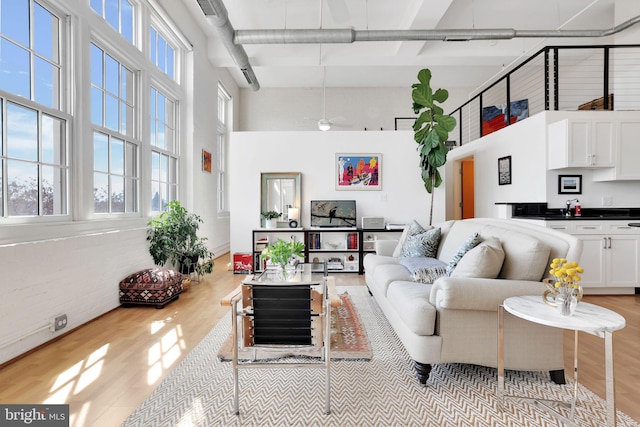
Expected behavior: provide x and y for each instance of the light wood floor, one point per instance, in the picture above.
(105, 369)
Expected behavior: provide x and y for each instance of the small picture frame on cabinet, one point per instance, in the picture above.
(569, 184)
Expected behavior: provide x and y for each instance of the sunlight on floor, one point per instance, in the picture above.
(79, 418)
(80, 375)
(164, 354)
(194, 416)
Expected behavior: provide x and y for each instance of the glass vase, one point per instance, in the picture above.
(566, 303)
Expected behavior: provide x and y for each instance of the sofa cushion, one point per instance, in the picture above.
(423, 244)
(416, 263)
(483, 261)
(372, 261)
(470, 243)
(387, 273)
(410, 230)
(524, 262)
(411, 301)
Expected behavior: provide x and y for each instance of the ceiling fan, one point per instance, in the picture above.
(325, 124)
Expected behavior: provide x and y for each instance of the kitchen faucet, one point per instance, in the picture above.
(567, 211)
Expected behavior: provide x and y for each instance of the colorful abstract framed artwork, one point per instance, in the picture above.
(358, 172)
(206, 161)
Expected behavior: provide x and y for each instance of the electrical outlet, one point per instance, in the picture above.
(607, 201)
(58, 322)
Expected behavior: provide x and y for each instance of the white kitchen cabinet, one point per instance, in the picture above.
(610, 261)
(581, 143)
(627, 164)
(610, 252)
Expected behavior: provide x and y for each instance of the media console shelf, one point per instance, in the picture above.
(343, 249)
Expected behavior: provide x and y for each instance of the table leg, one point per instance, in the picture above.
(575, 375)
(610, 395)
(500, 357)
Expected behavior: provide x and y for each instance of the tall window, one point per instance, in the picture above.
(161, 53)
(224, 118)
(115, 152)
(164, 150)
(33, 138)
(118, 13)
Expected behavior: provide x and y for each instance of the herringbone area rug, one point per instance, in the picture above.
(379, 392)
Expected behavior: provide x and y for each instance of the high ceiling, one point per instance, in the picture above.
(395, 63)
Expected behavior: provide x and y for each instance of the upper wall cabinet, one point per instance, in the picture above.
(587, 143)
(627, 165)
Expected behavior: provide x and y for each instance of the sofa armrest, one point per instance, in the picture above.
(385, 247)
(465, 293)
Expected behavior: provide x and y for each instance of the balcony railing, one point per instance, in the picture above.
(555, 78)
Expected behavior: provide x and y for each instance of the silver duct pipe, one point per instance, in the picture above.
(219, 17)
(349, 35)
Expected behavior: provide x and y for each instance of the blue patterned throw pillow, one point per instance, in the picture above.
(471, 242)
(422, 245)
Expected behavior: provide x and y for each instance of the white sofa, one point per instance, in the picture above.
(454, 320)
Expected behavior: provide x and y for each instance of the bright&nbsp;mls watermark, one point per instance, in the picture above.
(34, 415)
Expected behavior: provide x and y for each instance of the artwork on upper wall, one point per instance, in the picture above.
(206, 161)
(569, 184)
(493, 117)
(358, 171)
(504, 170)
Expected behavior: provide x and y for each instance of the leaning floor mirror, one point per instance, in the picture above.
(280, 192)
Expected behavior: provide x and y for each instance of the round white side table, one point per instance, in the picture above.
(588, 318)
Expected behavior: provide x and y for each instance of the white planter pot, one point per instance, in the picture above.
(271, 223)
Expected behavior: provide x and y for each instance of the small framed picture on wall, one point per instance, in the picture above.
(569, 184)
(504, 170)
(206, 161)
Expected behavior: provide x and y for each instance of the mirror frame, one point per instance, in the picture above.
(264, 180)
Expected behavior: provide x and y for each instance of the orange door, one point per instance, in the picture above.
(468, 192)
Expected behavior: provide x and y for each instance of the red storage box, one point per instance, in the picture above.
(242, 263)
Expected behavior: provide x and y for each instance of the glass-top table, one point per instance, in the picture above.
(304, 272)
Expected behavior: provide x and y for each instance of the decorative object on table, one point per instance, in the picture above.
(504, 170)
(294, 217)
(284, 254)
(173, 238)
(358, 171)
(564, 287)
(206, 161)
(569, 184)
(431, 131)
(270, 218)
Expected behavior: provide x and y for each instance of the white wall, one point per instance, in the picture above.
(74, 268)
(525, 142)
(401, 199)
(354, 109)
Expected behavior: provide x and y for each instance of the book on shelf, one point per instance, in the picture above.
(352, 241)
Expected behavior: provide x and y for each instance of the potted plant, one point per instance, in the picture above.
(270, 218)
(281, 253)
(173, 238)
(431, 130)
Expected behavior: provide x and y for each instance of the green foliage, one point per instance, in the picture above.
(270, 214)
(281, 252)
(173, 238)
(431, 130)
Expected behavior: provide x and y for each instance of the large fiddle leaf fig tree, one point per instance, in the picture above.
(431, 130)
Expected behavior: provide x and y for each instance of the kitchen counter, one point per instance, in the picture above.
(540, 211)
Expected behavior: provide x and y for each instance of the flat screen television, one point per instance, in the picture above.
(333, 213)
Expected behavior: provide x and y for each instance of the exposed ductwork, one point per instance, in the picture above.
(233, 40)
(349, 35)
(219, 17)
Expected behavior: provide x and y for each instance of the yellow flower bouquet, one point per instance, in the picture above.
(564, 286)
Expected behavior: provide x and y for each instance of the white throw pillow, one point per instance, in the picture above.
(483, 261)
